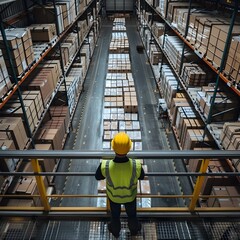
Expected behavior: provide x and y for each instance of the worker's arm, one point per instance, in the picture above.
(98, 174)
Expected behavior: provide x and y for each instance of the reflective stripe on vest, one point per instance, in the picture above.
(109, 180)
(117, 190)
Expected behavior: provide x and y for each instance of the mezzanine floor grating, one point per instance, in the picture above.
(29, 229)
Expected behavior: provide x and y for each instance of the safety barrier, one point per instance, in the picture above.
(192, 207)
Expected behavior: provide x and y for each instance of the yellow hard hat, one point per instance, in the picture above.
(121, 143)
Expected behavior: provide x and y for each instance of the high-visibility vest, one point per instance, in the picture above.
(121, 179)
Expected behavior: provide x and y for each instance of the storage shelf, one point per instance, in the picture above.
(196, 107)
(222, 77)
(28, 72)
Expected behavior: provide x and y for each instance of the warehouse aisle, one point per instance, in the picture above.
(87, 124)
(86, 132)
(154, 137)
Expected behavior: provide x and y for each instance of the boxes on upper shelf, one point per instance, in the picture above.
(193, 75)
(46, 14)
(232, 67)
(33, 105)
(21, 50)
(230, 136)
(204, 27)
(5, 83)
(221, 104)
(46, 164)
(43, 32)
(217, 42)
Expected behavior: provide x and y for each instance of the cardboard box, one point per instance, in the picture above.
(13, 129)
(47, 165)
(51, 136)
(145, 187)
(43, 32)
(101, 186)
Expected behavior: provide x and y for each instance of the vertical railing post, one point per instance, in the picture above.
(199, 183)
(40, 185)
(108, 206)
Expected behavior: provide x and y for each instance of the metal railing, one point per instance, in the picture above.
(192, 208)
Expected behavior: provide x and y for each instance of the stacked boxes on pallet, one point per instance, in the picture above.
(221, 104)
(43, 32)
(69, 48)
(28, 186)
(65, 11)
(173, 48)
(154, 54)
(232, 68)
(217, 42)
(230, 136)
(193, 75)
(224, 191)
(33, 106)
(54, 128)
(168, 84)
(13, 129)
(82, 29)
(207, 33)
(119, 63)
(21, 50)
(5, 83)
(119, 43)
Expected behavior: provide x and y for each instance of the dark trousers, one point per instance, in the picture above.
(131, 211)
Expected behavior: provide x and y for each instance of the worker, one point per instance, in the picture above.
(122, 174)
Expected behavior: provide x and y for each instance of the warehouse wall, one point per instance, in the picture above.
(119, 5)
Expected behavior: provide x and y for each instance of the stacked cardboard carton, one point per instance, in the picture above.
(82, 29)
(217, 42)
(206, 32)
(120, 101)
(173, 48)
(5, 83)
(45, 79)
(119, 43)
(168, 84)
(173, 7)
(33, 105)
(21, 50)
(47, 165)
(65, 11)
(195, 164)
(232, 67)
(154, 54)
(217, 166)
(43, 32)
(28, 186)
(221, 104)
(74, 87)
(54, 129)
(69, 48)
(227, 191)
(230, 136)
(119, 63)
(193, 75)
(13, 129)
